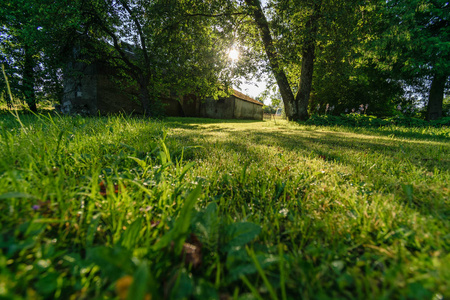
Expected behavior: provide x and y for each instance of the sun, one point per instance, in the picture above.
(233, 54)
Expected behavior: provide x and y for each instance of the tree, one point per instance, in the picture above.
(315, 55)
(159, 45)
(296, 106)
(345, 76)
(33, 35)
(413, 42)
(19, 51)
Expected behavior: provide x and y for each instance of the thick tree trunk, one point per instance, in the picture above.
(436, 97)
(28, 80)
(144, 96)
(307, 71)
(150, 104)
(278, 72)
(305, 86)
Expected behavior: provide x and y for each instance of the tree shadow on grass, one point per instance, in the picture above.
(333, 145)
(348, 149)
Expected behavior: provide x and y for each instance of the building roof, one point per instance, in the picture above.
(241, 96)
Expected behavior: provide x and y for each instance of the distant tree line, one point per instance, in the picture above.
(340, 54)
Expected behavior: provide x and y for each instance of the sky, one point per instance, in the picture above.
(252, 89)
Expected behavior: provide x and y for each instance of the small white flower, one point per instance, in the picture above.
(284, 212)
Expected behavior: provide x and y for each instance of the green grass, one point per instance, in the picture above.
(95, 208)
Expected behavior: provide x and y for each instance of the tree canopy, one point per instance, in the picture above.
(338, 53)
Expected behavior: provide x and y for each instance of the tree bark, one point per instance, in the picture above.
(144, 95)
(28, 80)
(436, 97)
(307, 71)
(305, 85)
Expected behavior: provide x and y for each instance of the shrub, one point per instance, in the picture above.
(358, 120)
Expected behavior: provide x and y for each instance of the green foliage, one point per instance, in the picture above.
(358, 120)
(32, 45)
(411, 44)
(417, 36)
(446, 107)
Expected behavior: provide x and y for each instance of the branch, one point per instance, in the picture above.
(272, 54)
(122, 54)
(139, 29)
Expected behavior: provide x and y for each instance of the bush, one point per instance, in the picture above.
(358, 120)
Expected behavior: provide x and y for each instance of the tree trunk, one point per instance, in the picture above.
(296, 108)
(28, 80)
(285, 90)
(305, 85)
(152, 107)
(308, 56)
(436, 97)
(144, 96)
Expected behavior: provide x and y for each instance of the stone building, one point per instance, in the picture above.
(236, 106)
(92, 90)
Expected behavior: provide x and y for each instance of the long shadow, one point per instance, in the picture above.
(331, 147)
(335, 142)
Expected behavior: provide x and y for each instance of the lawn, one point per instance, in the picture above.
(101, 208)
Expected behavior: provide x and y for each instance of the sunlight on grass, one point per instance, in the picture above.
(219, 209)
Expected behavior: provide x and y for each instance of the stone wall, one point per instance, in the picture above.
(112, 99)
(217, 109)
(80, 89)
(191, 106)
(172, 107)
(247, 110)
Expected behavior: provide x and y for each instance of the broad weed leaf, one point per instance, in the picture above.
(207, 226)
(184, 286)
(140, 162)
(47, 284)
(112, 261)
(205, 290)
(240, 263)
(239, 234)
